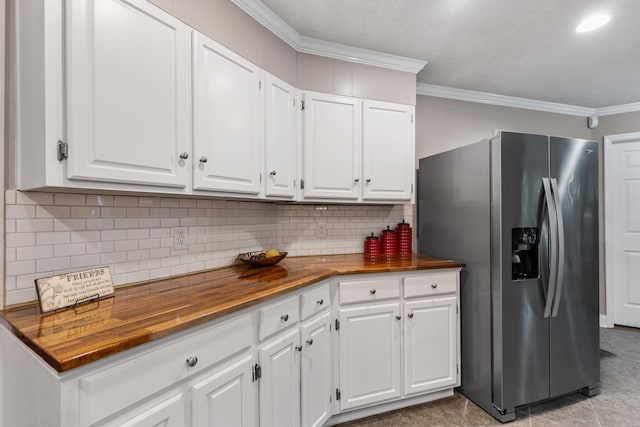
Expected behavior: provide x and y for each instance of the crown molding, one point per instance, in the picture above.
(502, 100)
(618, 109)
(266, 17)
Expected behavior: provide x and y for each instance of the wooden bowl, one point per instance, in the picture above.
(257, 258)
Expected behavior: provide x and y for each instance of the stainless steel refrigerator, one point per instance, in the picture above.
(522, 212)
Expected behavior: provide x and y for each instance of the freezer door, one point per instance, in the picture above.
(520, 331)
(574, 331)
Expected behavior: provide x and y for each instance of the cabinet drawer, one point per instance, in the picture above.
(368, 290)
(314, 301)
(430, 284)
(114, 388)
(278, 316)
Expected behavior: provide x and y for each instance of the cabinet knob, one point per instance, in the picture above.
(284, 317)
(203, 159)
(357, 180)
(368, 180)
(184, 156)
(372, 291)
(272, 173)
(192, 361)
(410, 315)
(434, 285)
(310, 341)
(398, 317)
(298, 347)
(320, 301)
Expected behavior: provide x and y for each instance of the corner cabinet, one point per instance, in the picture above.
(357, 150)
(338, 350)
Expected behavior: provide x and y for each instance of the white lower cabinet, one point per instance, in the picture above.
(279, 360)
(166, 413)
(361, 345)
(369, 354)
(226, 397)
(316, 371)
(430, 345)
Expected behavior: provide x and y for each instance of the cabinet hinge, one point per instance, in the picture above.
(260, 177)
(412, 118)
(259, 84)
(302, 105)
(256, 373)
(294, 102)
(337, 394)
(456, 308)
(301, 183)
(411, 188)
(337, 324)
(63, 151)
(457, 368)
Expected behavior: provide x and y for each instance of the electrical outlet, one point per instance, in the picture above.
(180, 238)
(321, 229)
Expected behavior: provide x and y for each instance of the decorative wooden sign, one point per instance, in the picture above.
(71, 289)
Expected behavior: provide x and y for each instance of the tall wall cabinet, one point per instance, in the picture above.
(120, 95)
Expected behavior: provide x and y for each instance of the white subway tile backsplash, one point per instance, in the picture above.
(134, 235)
(66, 199)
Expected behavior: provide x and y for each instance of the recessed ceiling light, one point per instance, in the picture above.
(593, 22)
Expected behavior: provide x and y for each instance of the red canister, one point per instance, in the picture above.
(404, 233)
(372, 245)
(389, 242)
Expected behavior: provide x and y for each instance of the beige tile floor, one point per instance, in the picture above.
(617, 405)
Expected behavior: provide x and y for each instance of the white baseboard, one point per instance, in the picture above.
(604, 322)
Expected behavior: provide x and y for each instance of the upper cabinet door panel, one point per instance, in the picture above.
(388, 162)
(332, 146)
(127, 93)
(227, 119)
(280, 141)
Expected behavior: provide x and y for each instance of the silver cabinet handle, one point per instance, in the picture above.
(184, 156)
(368, 180)
(192, 361)
(410, 315)
(434, 285)
(203, 159)
(310, 341)
(357, 180)
(298, 347)
(320, 301)
(272, 173)
(372, 291)
(284, 317)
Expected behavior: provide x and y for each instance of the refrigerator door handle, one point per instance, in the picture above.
(560, 277)
(553, 239)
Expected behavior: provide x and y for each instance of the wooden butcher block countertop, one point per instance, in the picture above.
(142, 313)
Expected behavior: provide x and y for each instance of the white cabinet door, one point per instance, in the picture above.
(167, 413)
(316, 371)
(369, 354)
(227, 111)
(227, 397)
(280, 138)
(430, 337)
(280, 382)
(332, 146)
(388, 164)
(127, 93)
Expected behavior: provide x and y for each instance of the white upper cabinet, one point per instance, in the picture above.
(127, 93)
(227, 120)
(388, 164)
(355, 150)
(280, 138)
(332, 145)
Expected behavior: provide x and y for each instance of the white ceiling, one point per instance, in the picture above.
(519, 48)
